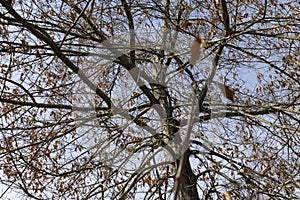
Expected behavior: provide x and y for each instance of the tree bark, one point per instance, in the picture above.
(188, 180)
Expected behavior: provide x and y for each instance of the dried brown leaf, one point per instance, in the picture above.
(196, 50)
(186, 24)
(226, 91)
(226, 196)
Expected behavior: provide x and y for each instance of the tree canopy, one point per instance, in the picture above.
(147, 99)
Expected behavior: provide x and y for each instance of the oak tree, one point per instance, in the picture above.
(119, 100)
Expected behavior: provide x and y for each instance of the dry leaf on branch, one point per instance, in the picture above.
(196, 50)
(226, 196)
(226, 91)
(186, 24)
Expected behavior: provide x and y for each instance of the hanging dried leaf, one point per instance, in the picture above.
(196, 50)
(226, 91)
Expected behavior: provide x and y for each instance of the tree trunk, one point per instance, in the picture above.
(188, 180)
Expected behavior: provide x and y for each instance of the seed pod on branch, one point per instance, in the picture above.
(196, 50)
